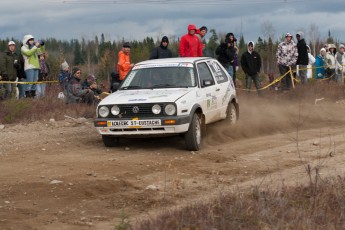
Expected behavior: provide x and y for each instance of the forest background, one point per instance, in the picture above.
(99, 55)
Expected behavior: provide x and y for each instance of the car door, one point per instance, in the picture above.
(208, 93)
(224, 86)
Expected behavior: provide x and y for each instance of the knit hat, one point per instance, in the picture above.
(64, 65)
(331, 46)
(91, 78)
(323, 49)
(74, 70)
(11, 43)
(126, 45)
(341, 46)
(288, 35)
(165, 39)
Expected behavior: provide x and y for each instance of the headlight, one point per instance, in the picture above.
(103, 111)
(170, 109)
(115, 110)
(156, 109)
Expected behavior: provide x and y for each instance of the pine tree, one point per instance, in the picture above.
(212, 44)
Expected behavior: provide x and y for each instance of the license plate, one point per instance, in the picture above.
(134, 123)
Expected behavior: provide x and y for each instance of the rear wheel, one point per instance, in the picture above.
(193, 136)
(109, 141)
(231, 114)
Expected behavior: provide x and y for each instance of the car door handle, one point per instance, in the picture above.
(217, 89)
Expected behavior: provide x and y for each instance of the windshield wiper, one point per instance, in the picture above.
(164, 86)
(131, 87)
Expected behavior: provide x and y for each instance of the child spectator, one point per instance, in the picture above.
(43, 75)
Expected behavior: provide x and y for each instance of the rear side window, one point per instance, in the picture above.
(204, 73)
(218, 72)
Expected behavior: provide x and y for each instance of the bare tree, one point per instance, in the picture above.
(268, 30)
(314, 35)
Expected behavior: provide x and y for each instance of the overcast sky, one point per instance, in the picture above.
(137, 19)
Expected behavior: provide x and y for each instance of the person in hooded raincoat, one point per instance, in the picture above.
(190, 45)
(30, 51)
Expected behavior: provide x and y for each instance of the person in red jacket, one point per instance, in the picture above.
(124, 64)
(190, 45)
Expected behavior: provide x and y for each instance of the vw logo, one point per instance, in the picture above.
(135, 109)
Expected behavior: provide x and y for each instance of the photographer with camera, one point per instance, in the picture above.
(30, 51)
(9, 64)
(233, 43)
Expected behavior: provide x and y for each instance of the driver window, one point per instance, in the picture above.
(204, 73)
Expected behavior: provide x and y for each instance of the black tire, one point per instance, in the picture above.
(193, 137)
(231, 114)
(109, 141)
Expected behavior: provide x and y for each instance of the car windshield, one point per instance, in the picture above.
(159, 77)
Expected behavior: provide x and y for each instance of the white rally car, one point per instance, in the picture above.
(168, 96)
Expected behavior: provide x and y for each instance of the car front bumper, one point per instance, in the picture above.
(120, 127)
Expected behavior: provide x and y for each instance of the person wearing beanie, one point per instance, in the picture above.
(319, 64)
(190, 46)
(329, 62)
(162, 51)
(30, 51)
(251, 65)
(9, 65)
(75, 91)
(90, 83)
(286, 58)
(124, 64)
(340, 63)
(64, 76)
(64, 66)
(43, 75)
(302, 60)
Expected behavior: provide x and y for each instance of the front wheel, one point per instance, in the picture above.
(109, 141)
(231, 114)
(193, 135)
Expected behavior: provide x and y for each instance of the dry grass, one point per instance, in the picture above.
(29, 110)
(288, 208)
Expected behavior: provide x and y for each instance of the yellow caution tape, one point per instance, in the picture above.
(29, 83)
(272, 83)
(296, 80)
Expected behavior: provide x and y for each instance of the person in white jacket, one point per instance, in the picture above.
(311, 61)
(340, 63)
(329, 62)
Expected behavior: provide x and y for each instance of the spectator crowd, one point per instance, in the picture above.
(29, 72)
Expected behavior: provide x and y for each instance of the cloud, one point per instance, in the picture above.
(53, 18)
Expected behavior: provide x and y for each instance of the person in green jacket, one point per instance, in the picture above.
(9, 64)
(30, 51)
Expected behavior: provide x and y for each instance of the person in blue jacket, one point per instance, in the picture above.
(319, 64)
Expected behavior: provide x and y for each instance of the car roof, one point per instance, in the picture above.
(174, 60)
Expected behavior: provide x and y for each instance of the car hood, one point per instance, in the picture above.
(145, 96)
